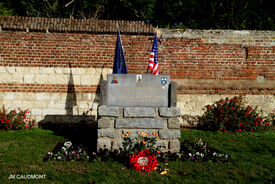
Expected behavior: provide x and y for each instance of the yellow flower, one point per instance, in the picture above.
(163, 172)
(146, 134)
(143, 142)
(137, 132)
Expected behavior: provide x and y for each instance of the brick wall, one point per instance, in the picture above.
(54, 66)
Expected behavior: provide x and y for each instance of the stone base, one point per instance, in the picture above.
(115, 121)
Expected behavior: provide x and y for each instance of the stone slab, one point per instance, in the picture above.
(103, 96)
(173, 123)
(108, 111)
(174, 145)
(169, 112)
(106, 133)
(133, 112)
(173, 94)
(134, 90)
(169, 134)
(144, 123)
(105, 122)
(103, 143)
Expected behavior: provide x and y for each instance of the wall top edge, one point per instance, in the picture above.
(74, 25)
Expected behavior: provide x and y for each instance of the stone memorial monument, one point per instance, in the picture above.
(135, 102)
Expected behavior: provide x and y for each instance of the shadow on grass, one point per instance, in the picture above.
(80, 129)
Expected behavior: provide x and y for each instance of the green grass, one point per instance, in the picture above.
(253, 161)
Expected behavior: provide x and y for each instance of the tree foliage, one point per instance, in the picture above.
(194, 14)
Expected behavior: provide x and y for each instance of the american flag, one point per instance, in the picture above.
(153, 61)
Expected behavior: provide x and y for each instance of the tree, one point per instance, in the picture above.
(194, 14)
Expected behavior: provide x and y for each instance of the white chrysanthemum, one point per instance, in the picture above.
(68, 144)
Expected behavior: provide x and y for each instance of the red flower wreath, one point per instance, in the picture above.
(143, 161)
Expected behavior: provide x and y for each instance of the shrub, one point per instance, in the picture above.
(232, 115)
(15, 120)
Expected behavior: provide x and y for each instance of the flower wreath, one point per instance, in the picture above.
(143, 161)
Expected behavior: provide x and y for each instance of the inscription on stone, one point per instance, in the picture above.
(136, 90)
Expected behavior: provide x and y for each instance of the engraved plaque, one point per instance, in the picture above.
(136, 90)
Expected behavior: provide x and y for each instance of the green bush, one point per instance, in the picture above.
(15, 120)
(232, 115)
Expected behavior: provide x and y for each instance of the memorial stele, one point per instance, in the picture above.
(137, 90)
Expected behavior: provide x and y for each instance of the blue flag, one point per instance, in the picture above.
(119, 62)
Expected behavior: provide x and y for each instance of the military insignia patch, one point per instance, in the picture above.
(114, 81)
(163, 80)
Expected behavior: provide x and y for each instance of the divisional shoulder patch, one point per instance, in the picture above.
(114, 81)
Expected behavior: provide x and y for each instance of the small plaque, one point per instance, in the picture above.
(139, 78)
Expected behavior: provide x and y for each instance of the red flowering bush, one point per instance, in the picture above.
(232, 115)
(15, 120)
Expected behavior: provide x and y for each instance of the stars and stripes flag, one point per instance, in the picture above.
(153, 61)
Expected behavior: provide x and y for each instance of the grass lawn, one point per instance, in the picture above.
(253, 161)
